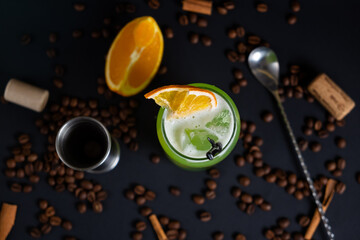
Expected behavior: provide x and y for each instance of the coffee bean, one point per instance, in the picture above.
(35, 233)
(231, 33)
(206, 41)
(218, 236)
(281, 182)
(254, 40)
(205, 216)
(283, 222)
(55, 221)
(16, 187)
(150, 195)
(67, 225)
(129, 194)
(169, 33)
(183, 20)
(154, 4)
(34, 178)
(246, 198)
(210, 184)
(11, 173)
(81, 207)
(292, 178)
(340, 142)
(175, 191)
(59, 70)
(140, 226)
(317, 125)
(25, 39)
(60, 188)
(193, 17)
(271, 178)
(291, 19)
(290, 189)
(139, 189)
(235, 88)
(341, 163)
(221, 10)
(145, 211)
(295, 6)
(77, 33)
(154, 158)
(235, 192)
(23, 138)
(244, 180)
(240, 236)
(130, 8)
(242, 57)
(11, 163)
(79, 7)
(140, 200)
(267, 116)
(269, 234)
(232, 56)
(172, 234)
(340, 187)
(304, 221)
(303, 144)
(315, 146)
(58, 83)
(210, 194)
(164, 220)
(214, 173)
(240, 31)
(238, 74)
(262, 7)
(97, 206)
(182, 234)
(250, 209)
(91, 196)
(174, 225)
(229, 5)
(53, 37)
(298, 195)
(202, 22)
(194, 38)
(307, 131)
(43, 218)
(242, 206)
(251, 127)
(198, 199)
(101, 195)
(330, 126)
(340, 123)
(51, 53)
(137, 236)
(265, 206)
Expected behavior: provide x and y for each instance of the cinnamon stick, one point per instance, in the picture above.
(7, 219)
(157, 227)
(329, 193)
(197, 6)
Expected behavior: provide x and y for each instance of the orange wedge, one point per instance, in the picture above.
(182, 100)
(134, 56)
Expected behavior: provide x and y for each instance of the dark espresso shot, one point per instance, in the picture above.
(85, 145)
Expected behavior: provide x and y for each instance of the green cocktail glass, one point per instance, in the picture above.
(192, 163)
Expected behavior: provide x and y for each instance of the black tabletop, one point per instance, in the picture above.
(324, 39)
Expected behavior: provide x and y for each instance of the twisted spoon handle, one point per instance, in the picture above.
(304, 168)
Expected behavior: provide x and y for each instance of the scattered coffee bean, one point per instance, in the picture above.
(81, 207)
(175, 191)
(51, 53)
(304, 221)
(154, 4)
(140, 226)
(194, 38)
(240, 161)
(218, 236)
(315, 146)
(231, 33)
(291, 19)
(77, 33)
(130, 8)
(240, 236)
(269, 234)
(210, 184)
(317, 125)
(340, 142)
(246, 198)
(341, 163)
(137, 236)
(79, 7)
(198, 199)
(183, 20)
(330, 127)
(206, 40)
(164, 220)
(295, 6)
(235, 192)
(214, 173)
(45, 229)
(25, 39)
(97, 206)
(35, 233)
(267, 116)
(139, 189)
(155, 158)
(150, 195)
(210, 194)
(169, 33)
(262, 7)
(129, 194)
(221, 10)
(303, 144)
(145, 211)
(140, 200)
(205, 216)
(67, 225)
(55, 221)
(340, 187)
(283, 222)
(244, 180)
(298, 195)
(201, 22)
(16, 187)
(193, 17)
(337, 173)
(174, 225)
(250, 209)
(265, 206)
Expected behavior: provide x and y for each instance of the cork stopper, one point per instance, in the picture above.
(26, 95)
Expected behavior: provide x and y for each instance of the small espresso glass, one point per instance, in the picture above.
(84, 144)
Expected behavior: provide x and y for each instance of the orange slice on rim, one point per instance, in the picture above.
(134, 56)
(183, 100)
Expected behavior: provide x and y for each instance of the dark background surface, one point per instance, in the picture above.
(325, 39)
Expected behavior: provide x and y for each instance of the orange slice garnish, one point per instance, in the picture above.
(134, 57)
(182, 100)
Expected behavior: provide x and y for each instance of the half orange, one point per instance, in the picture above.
(134, 57)
(183, 100)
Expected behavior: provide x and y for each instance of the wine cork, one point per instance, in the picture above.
(26, 95)
(331, 96)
